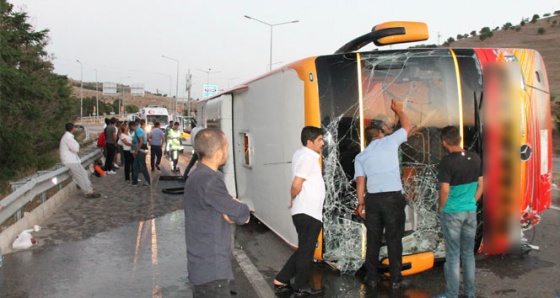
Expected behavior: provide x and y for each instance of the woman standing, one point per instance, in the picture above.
(126, 141)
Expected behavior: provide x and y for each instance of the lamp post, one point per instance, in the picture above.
(177, 84)
(208, 72)
(170, 84)
(96, 96)
(81, 90)
(271, 27)
(122, 107)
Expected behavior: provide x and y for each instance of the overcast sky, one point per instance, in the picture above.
(125, 39)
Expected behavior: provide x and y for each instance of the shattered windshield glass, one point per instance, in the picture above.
(358, 88)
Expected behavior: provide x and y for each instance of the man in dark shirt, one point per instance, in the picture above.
(460, 176)
(209, 210)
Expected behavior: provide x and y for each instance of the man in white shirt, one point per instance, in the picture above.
(306, 204)
(68, 150)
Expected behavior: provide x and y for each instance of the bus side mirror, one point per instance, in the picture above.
(387, 34)
(413, 31)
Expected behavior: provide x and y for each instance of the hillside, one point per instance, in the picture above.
(547, 44)
(139, 101)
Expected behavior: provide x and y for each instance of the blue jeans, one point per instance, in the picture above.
(459, 230)
(139, 166)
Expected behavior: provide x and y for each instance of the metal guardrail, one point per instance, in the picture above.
(28, 188)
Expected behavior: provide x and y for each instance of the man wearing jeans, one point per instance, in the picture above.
(140, 141)
(306, 204)
(460, 176)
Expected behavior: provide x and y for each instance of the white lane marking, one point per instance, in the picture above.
(259, 284)
(555, 208)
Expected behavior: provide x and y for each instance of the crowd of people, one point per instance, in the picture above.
(209, 208)
(124, 144)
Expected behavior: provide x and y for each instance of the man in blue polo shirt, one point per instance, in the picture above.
(460, 176)
(139, 150)
(383, 205)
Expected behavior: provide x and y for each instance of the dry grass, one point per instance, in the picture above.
(546, 44)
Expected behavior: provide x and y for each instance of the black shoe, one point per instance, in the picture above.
(400, 283)
(157, 167)
(282, 288)
(307, 291)
(372, 282)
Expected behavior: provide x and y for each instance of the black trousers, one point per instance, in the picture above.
(299, 264)
(385, 211)
(214, 289)
(111, 150)
(155, 156)
(128, 160)
(194, 158)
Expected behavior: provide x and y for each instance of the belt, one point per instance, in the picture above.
(384, 193)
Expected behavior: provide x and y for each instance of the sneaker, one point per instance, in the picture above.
(111, 172)
(115, 166)
(92, 195)
(157, 167)
(146, 183)
(134, 184)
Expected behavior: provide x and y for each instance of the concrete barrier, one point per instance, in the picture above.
(36, 216)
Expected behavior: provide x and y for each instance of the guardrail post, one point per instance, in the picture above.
(43, 197)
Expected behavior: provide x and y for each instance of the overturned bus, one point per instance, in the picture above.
(498, 97)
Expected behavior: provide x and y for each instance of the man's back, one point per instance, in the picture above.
(207, 234)
(461, 170)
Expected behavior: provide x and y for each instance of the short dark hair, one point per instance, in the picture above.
(132, 123)
(69, 126)
(156, 124)
(176, 123)
(113, 120)
(310, 133)
(142, 121)
(208, 141)
(451, 135)
(372, 132)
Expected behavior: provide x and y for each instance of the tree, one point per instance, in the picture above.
(535, 18)
(541, 30)
(506, 26)
(35, 101)
(473, 33)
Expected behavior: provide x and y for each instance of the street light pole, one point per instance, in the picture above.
(208, 72)
(271, 27)
(81, 91)
(170, 87)
(122, 107)
(177, 84)
(96, 95)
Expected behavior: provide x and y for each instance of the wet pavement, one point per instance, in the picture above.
(130, 243)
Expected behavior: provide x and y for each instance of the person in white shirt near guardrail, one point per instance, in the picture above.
(68, 150)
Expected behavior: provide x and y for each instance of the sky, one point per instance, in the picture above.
(122, 41)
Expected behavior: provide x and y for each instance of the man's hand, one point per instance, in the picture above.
(396, 106)
(229, 221)
(362, 211)
(291, 203)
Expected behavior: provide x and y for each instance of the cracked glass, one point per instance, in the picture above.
(357, 88)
